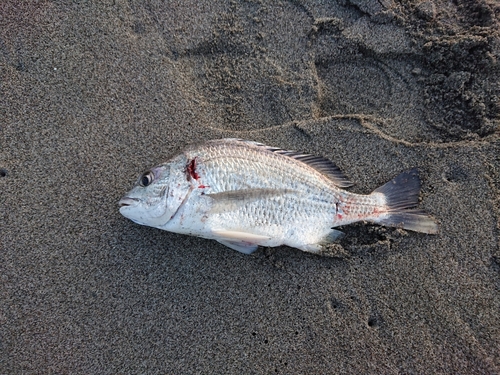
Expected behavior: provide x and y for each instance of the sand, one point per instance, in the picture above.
(94, 93)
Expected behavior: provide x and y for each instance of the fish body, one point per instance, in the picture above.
(245, 194)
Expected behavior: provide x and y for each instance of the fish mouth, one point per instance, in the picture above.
(128, 202)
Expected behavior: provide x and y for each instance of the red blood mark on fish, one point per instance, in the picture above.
(337, 213)
(191, 170)
(203, 186)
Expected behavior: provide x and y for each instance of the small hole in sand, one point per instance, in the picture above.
(372, 322)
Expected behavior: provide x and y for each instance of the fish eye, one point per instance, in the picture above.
(146, 179)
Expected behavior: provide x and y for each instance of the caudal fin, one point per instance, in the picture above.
(401, 195)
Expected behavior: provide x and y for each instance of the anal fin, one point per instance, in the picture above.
(317, 247)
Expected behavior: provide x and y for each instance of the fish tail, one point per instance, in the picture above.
(401, 195)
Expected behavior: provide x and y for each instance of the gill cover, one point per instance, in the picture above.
(179, 187)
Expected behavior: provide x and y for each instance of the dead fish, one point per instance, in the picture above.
(244, 194)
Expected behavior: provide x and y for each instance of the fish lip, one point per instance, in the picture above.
(128, 202)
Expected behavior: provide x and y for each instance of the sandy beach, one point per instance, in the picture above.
(94, 93)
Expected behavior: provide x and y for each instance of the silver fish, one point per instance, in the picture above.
(245, 194)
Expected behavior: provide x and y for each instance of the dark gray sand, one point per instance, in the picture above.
(92, 95)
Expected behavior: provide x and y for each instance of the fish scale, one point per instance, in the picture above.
(245, 194)
(277, 210)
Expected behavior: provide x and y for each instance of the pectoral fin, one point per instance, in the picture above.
(234, 199)
(243, 242)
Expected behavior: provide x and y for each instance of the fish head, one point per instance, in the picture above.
(156, 196)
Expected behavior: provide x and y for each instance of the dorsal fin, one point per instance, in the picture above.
(319, 163)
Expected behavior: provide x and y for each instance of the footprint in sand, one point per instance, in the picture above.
(247, 80)
(268, 65)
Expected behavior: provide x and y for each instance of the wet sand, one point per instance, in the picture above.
(92, 95)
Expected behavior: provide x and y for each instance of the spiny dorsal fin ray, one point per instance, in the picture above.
(319, 163)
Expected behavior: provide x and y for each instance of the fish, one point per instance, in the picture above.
(245, 194)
